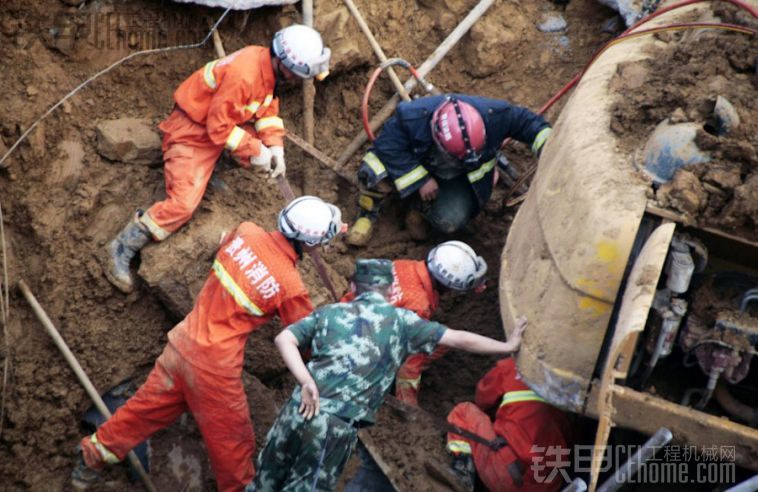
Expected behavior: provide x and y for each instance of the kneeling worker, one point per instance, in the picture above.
(529, 425)
(356, 348)
(254, 277)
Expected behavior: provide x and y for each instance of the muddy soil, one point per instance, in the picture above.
(62, 202)
(681, 83)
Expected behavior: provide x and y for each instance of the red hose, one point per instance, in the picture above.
(372, 81)
(364, 104)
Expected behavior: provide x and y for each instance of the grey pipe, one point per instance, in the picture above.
(749, 485)
(578, 485)
(633, 464)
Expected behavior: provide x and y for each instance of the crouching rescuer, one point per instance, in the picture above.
(254, 278)
(440, 154)
(450, 266)
(229, 104)
(356, 350)
(536, 435)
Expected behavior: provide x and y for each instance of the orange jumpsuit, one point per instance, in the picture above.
(254, 277)
(537, 434)
(413, 290)
(228, 104)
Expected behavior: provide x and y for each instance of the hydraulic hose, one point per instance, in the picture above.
(628, 34)
(428, 87)
(734, 407)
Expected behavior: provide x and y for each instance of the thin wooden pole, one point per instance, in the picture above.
(423, 70)
(309, 89)
(377, 49)
(80, 374)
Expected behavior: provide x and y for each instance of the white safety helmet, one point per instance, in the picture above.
(455, 265)
(302, 51)
(311, 220)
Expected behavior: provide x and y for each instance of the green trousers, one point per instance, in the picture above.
(304, 456)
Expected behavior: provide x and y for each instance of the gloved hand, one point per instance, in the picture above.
(278, 165)
(263, 159)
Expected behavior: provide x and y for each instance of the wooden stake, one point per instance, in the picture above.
(80, 375)
(377, 49)
(423, 70)
(309, 89)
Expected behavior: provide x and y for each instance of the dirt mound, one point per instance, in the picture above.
(681, 84)
(63, 201)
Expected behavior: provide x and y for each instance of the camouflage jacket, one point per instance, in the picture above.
(357, 348)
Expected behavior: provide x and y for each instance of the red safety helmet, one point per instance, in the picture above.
(458, 129)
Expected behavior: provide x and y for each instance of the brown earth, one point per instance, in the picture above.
(681, 83)
(62, 202)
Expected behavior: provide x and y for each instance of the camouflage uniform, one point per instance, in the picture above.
(356, 348)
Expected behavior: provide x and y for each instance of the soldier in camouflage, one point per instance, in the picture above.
(356, 348)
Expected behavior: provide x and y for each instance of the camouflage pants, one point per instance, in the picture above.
(304, 456)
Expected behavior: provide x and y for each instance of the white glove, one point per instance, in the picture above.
(263, 159)
(279, 167)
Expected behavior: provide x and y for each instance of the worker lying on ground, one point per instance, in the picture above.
(531, 427)
(357, 348)
(452, 265)
(254, 277)
(229, 104)
(440, 153)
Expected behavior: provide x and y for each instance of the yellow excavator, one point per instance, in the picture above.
(638, 316)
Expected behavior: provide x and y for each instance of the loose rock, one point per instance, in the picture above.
(552, 23)
(129, 140)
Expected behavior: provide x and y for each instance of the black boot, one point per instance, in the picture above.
(121, 251)
(83, 476)
(464, 469)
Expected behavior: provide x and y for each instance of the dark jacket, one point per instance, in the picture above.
(405, 149)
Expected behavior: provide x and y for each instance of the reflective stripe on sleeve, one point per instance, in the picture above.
(107, 455)
(254, 106)
(458, 447)
(374, 163)
(519, 396)
(413, 383)
(157, 231)
(411, 177)
(234, 139)
(269, 122)
(235, 290)
(208, 76)
(478, 174)
(539, 140)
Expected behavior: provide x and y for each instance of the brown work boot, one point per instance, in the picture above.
(360, 234)
(417, 226)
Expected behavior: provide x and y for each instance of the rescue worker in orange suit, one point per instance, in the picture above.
(254, 277)
(530, 427)
(452, 265)
(231, 104)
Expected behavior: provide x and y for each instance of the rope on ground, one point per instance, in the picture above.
(108, 69)
(4, 314)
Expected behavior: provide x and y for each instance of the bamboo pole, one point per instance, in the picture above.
(377, 49)
(217, 44)
(80, 374)
(309, 89)
(423, 70)
(324, 159)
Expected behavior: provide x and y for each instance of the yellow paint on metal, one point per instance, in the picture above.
(607, 251)
(598, 308)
